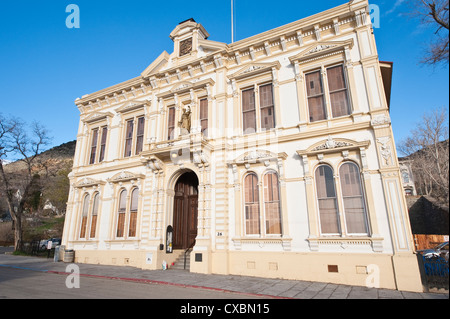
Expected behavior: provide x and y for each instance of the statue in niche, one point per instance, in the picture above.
(185, 122)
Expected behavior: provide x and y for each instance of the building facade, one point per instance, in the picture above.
(272, 156)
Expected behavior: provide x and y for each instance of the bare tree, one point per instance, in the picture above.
(15, 139)
(435, 12)
(428, 147)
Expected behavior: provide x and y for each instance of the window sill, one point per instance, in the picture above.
(375, 242)
(285, 242)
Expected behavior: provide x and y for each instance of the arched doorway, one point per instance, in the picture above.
(185, 211)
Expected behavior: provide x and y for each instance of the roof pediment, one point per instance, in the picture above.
(157, 65)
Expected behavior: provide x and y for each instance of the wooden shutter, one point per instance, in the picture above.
(121, 214)
(326, 195)
(251, 193)
(272, 204)
(316, 101)
(94, 216)
(140, 135)
(353, 198)
(267, 107)
(249, 111)
(93, 146)
(204, 116)
(171, 124)
(129, 138)
(338, 91)
(103, 144)
(84, 216)
(133, 212)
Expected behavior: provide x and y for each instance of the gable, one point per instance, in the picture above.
(156, 65)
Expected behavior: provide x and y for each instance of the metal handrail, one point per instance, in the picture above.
(186, 252)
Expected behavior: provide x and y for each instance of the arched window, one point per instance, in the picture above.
(272, 204)
(353, 199)
(133, 212)
(84, 216)
(326, 195)
(252, 226)
(94, 216)
(122, 213)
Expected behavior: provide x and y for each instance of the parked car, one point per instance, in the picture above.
(55, 242)
(440, 250)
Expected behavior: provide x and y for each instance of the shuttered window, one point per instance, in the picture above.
(103, 144)
(129, 138)
(326, 195)
(94, 216)
(140, 135)
(204, 116)
(252, 222)
(316, 97)
(353, 199)
(84, 216)
(121, 214)
(267, 107)
(171, 124)
(338, 91)
(133, 212)
(93, 146)
(272, 204)
(249, 111)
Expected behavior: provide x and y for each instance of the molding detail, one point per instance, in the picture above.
(332, 145)
(253, 69)
(88, 182)
(124, 176)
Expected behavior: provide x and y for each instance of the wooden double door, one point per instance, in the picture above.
(185, 211)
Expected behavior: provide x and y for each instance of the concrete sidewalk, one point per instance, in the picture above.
(277, 288)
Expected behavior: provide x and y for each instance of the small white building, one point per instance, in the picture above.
(272, 156)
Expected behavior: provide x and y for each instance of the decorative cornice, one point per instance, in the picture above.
(224, 53)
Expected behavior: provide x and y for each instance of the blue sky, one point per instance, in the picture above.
(44, 66)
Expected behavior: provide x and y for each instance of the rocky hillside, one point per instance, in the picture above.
(52, 183)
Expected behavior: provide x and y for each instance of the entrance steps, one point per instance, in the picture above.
(179, 262)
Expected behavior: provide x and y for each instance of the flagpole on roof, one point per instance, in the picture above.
(232, 21)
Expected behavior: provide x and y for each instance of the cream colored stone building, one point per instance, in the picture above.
(272, 156)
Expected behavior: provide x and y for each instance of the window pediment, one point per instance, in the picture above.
(331, 145)
(88, 182)
(261, 156)
(97, 117)
(322, 48)
(253, 69)
(186, 86)
(131, 106)
(124, 176)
